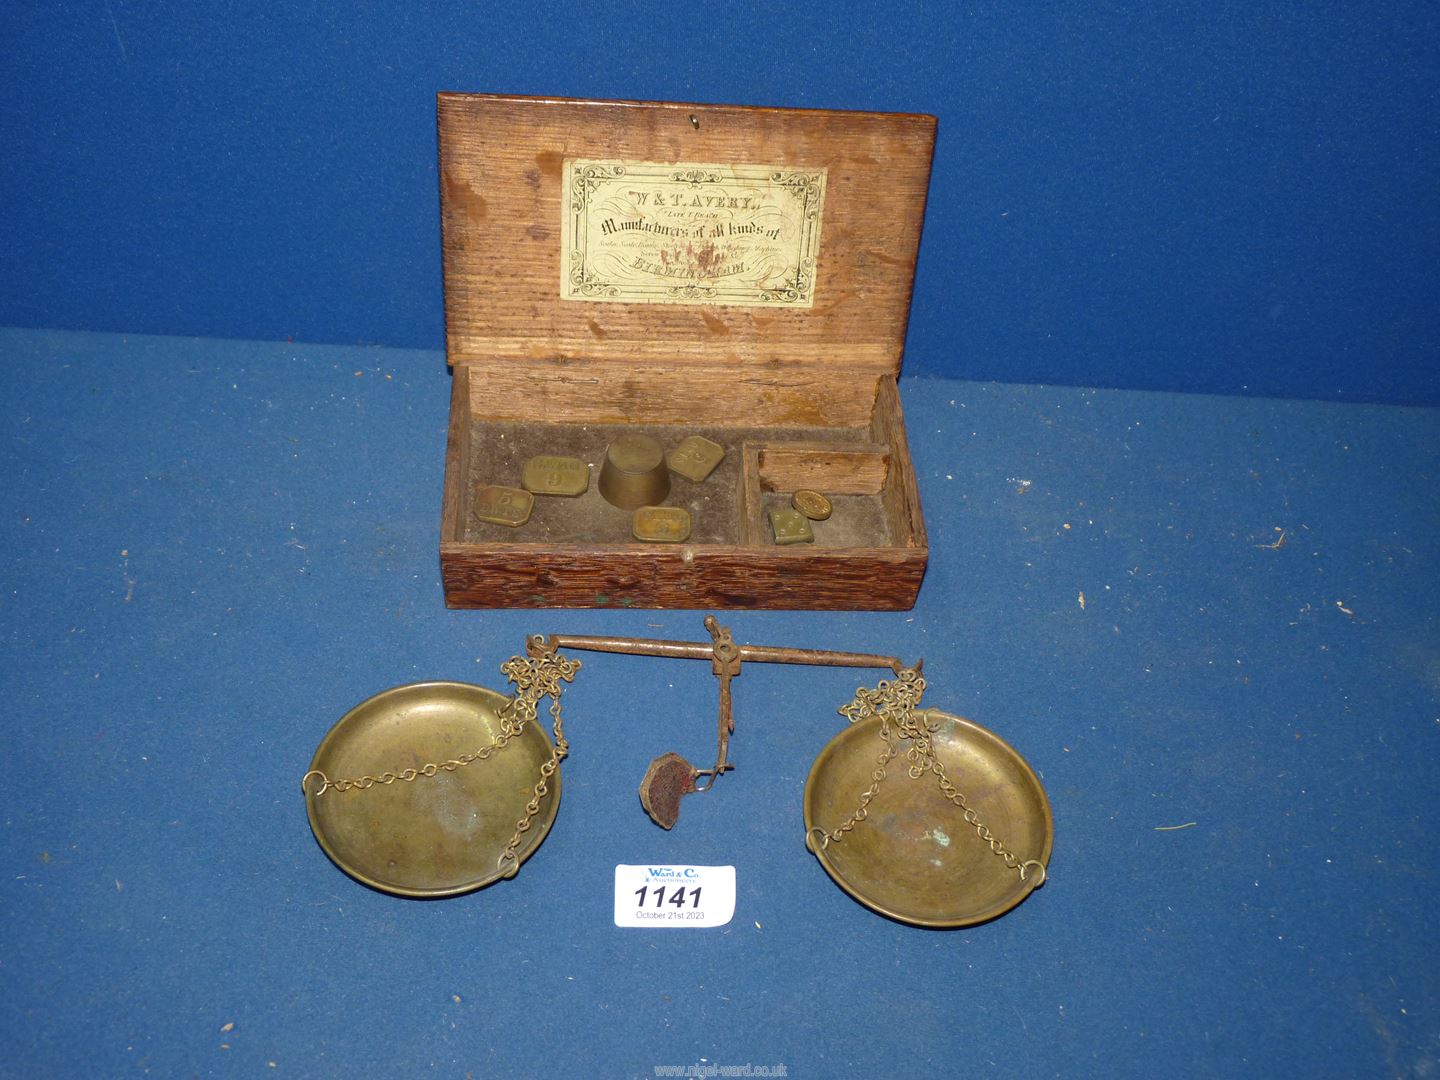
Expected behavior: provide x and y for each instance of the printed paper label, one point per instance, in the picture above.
(674, 896)
(640, 232)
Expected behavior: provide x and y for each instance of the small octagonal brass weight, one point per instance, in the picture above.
(634, 473)
(549, 474)
(695, 458)
(791, 527)
(503, 505)
(661, 524)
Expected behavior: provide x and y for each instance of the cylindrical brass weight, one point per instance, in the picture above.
(634, 473)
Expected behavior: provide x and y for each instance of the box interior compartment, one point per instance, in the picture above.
(779, 449)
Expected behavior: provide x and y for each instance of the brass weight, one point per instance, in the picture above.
(791, 527)
(812, 504)
(661, 524)
(498, 505)
(695, 458)
(551, 474)
(634, 473)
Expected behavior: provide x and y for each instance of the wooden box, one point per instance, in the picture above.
(738, 273)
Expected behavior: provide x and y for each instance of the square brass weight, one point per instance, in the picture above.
(550, 474)
(503, 505)
(791, 527)
(661, 524)
(695, 458)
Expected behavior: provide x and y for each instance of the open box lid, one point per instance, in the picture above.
(664, 232)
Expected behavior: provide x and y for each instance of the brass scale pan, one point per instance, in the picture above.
(914, 857)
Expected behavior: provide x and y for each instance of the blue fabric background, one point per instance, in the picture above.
(210, 550)
(1237, 198)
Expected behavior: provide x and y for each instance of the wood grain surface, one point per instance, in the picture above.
(501, 164)
(646, 576)
(620, 392)
(831, 470)
(901, 492)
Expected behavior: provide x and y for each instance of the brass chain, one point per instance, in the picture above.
(893, 702)
(536, 675)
